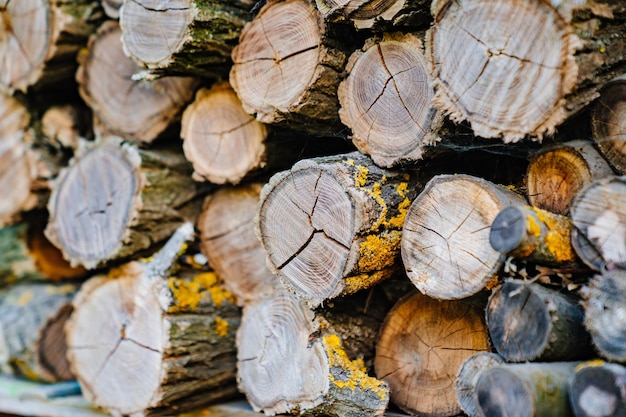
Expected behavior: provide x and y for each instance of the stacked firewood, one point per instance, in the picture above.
(329, 207)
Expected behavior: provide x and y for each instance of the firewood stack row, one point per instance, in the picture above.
(326, 207)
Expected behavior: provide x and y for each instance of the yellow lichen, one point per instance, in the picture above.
(360, 178)
(397, 221)
(359, 282)
(378, 252)
(188, 294)
(221, 326)
(558, 238)
(493, 282)
(533, 228)
(591, 363)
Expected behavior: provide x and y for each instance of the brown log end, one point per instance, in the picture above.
(608, 124)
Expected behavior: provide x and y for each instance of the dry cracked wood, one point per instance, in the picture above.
(378, 14)
(608, 123)
(598, 389)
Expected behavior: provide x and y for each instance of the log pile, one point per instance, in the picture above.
(331, 207)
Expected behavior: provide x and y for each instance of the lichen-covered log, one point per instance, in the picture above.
(445, 239)
(32, 340)
(135, 109)
(557, 173)
(333, 225)
(530, 322)
(467, 377)
(183, 37)
(608, 123)
(598, 389)
(600, 223)
(378, 14)
(291, 360)
(115, 200)
(389, 76)
(420, 347)
(287, 67)
(143, 344)
(41, 38)
(518, 68)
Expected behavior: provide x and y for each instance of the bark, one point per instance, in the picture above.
(378, 15)
(114, 201)
(467, 377)
(389, 76)
(420, 347)
(508, 78)
(143, 344)
(608, 123)
(530, 322)
(135, 109)
(445, 239)
(598, 389)
(332, 226)
(557, 173)
(185, 37)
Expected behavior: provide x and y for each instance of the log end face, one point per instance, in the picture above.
(598, 391)
(508, 229)
(500, 392)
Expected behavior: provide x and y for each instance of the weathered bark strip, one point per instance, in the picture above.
(41, 39)
(525, 390)
(317, 376)
(445, 238)
(510, 79)
(467, 377)
(603, 300)
(287, 67)
(557, 173)
(387, 77)
(421, 346)
(608, 123)
(185, 37)
(600, 220)
(598, 389)
(530, 322)
(143, 344)
(137, 110)
(378, 14)
(115, 200)
(333, 225)
(32, 341)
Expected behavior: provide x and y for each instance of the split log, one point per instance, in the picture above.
(605, 313)
(420, 347)
(115, 200)
(332, 226)
(529, 322)
(525, 390)
(378, 14)
(143, 344)
(123, 106)
(41, 39)
(389, 77)
(445, 238)
(188, 37)
(32, 341)
(608, 123)
(287, 67)
(229, 242)
(534, 234)
(600, 220)
(557, 173)
(509, 81)
(317, 376)
(598, 389)
(467, 377)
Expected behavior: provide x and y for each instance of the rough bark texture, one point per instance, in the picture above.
(467, 377)
(445, 239)
(333, 225)
(421, 346)
(608, 123)
(598, 389)
(378, 14)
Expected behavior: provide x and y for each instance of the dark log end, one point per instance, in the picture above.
(598, 391)
(508, 229)
(500, 393)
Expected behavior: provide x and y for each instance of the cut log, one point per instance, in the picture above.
(467, 377)
(534, 234)
(143, 344)
(290, 361)
(115, 200)
(557, 173)
(333, 225)
(32, 341)
(65, 125)
(445, 238)
(525, 390)
(134, 109)
(229, 242)
(389, 77)
(378, 14)
(600, 220)
(41, 38)
(530, 322)
(421, 346)
(112, 8)
(184, 37)
(605, 313)
(287, 68)
(508, 80)
(608, 123)
(598, 389)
